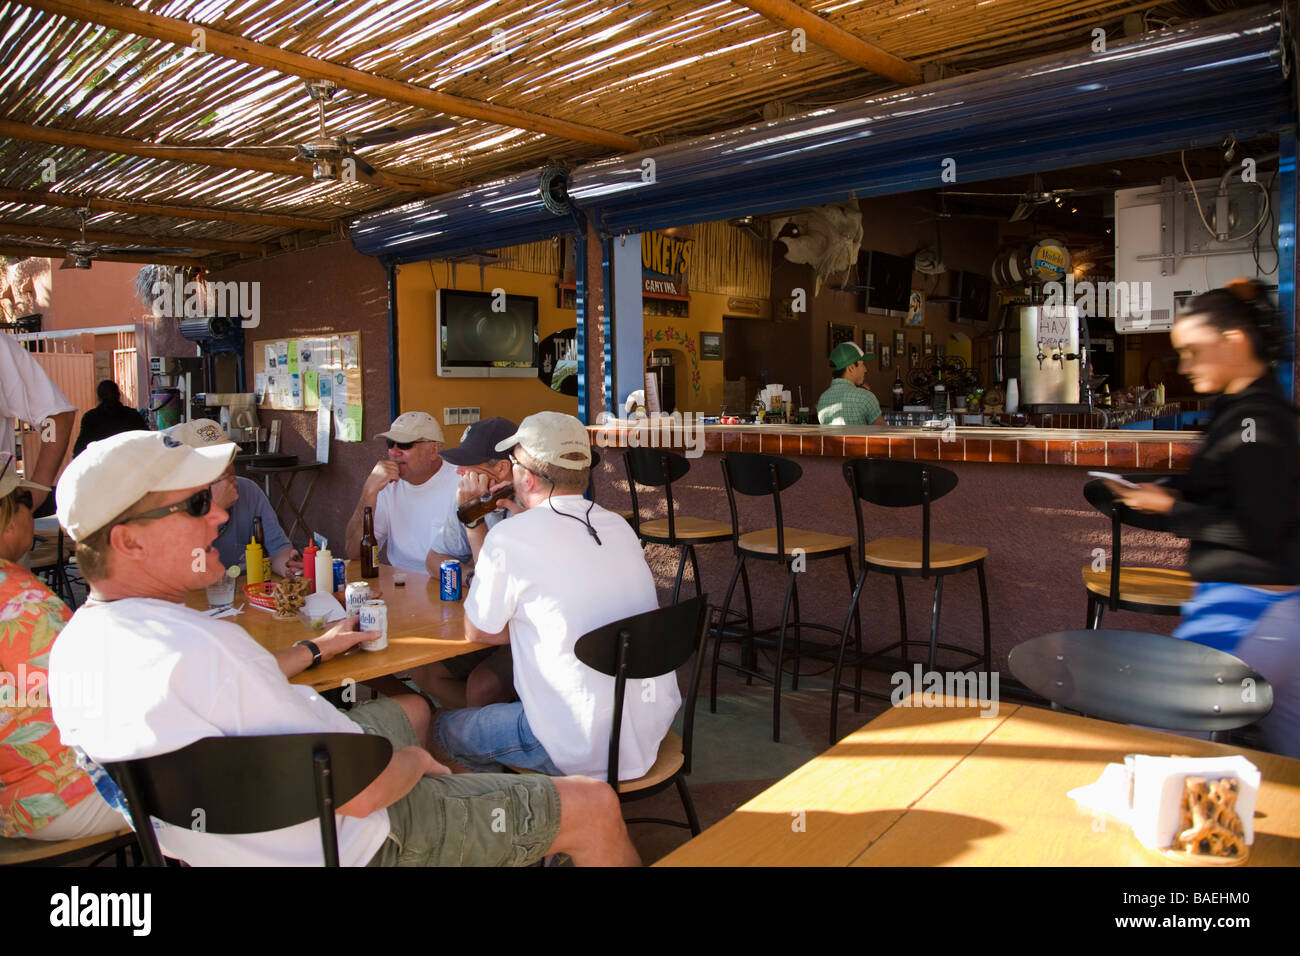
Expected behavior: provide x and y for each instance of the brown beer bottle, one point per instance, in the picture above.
(369, 546)
(484, 506)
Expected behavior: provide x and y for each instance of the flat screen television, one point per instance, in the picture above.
(973, 300)
(486, 335)
(890, 281)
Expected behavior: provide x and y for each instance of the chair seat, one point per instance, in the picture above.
(687, 528)
(666, 764)
(811, 542)
(18, 851)
(1159, 586)
(906, 553)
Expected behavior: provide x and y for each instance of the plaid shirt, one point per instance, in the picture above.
(846, 404)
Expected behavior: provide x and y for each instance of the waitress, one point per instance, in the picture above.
(1238, 503)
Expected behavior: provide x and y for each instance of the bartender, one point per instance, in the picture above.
(849, 400)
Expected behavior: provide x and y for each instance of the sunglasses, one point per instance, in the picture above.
(404, 445)
(197, 504)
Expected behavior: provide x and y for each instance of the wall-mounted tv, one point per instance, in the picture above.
(890, 281)
(973, 299)
(486, 335)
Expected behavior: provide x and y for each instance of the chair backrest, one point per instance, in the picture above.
(654, 467)
(897, 484)
(1100, 497)
(1138, 678)
(758, 475)
(591, 475)
(251, 784)
(652, 644)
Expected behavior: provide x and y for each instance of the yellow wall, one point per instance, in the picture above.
(706, 311)
(420, 387)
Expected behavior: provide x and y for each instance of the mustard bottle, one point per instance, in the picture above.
(253, 562)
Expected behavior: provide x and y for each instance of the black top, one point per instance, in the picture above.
(1240, 504)
(106, 420)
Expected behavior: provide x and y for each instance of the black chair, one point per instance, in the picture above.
(1145, 590)
(653, 644)
(905, 484)
(1138, 678)
(659, 468)
(51, 563)
(758, 475)
(591, 487)
(17, 851)
(251, 784)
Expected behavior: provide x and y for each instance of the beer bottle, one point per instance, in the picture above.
(474, 510)
(369, 546)
(266, 554)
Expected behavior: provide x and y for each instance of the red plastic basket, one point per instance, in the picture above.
(263, 594)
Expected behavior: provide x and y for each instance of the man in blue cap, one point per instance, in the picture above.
(848, 401)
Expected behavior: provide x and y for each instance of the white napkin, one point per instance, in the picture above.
(227, 611)
(321, 607)
(1147, 793)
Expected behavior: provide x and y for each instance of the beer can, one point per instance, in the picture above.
(340, 574)
(449, 572)
(374, 617)
(358, 593)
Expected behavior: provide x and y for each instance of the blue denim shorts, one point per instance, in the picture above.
(487, 739)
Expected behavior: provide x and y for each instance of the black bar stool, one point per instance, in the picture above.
(1145, 590)
(758, 476)
(905, 484)
(591, 489)
(655, 468)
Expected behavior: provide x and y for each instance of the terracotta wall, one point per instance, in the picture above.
(85, 298)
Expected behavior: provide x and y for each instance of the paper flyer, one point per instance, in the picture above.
(354, 423)
(323, 431)
(293, 356)
(310, 387)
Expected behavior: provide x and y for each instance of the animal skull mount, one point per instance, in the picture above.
(825, 237)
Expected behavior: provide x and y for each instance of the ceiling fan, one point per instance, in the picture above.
(80, 253)
(327, 153)
(1034, 197)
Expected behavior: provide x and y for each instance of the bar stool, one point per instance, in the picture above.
(758, 475)
(1145, 590)
(591, 489)
(654, 468)
(905, 484)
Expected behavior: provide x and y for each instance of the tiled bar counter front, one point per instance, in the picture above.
(1020, 494)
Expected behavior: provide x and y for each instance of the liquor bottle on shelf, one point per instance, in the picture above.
(897, 391)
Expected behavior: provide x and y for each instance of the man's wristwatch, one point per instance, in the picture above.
(315, 652)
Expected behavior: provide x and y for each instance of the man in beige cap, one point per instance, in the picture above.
(412, 494)
(244, 501)
(560, 568)
(139, 505)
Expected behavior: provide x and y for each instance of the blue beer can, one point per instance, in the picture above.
(340, 574)
(449, 572)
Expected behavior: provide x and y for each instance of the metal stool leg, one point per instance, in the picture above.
(689, 806)
(857, 625)
(839, 659)
(1087, 619)
(780, 658)
(752, 659)
(934, 618)
(681, 567)
(984, 611)
(695, 569)
(902, 616)
(722, 626)
(798, 636)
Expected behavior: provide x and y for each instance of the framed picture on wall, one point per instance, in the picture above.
(884, 357)
(839, 334)
(711, 346)
(915, 309)
(868, 345)
(900, 343)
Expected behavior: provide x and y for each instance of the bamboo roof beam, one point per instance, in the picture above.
(43, 231)
(238, 48)
(226, 159)
(833, 38)
(32, 197)
(58, 252)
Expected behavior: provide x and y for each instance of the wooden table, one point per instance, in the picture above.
(422, 629)
(943, 786)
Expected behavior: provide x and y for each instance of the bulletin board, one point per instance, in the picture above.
(302, 374)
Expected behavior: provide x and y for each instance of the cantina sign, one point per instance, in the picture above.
(665, 261)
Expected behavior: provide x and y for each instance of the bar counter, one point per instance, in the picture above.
(1019, 494)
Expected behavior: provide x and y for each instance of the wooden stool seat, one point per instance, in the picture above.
(811, 542)
(625, 515)
(1157, 586)
(687, 528)
(18, 851)
(667, 763)
(906, 553)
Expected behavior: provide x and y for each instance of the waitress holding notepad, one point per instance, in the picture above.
(1239, 502)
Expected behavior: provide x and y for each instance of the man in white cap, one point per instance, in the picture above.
(560, 568)
(410, 491)
(139, 505)
(244, 501)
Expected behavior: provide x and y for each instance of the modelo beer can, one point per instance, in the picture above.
(340, 574)
(374, 617)
(449, 572)
(358, 593)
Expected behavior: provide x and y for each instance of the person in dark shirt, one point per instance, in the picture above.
(1239, 502)
(107, 418)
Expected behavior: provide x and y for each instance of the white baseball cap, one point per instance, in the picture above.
(9, 480)
(198, 433)
(549, 436)
(113, 474)
(414, 426)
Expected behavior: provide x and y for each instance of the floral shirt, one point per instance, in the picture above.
(39, 777)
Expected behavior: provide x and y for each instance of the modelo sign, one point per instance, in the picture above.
(665, 261)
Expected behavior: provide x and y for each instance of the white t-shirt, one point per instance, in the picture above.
(544, 575)
(453, 539)
(408, 517)
(26, 392)
(140, 677)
